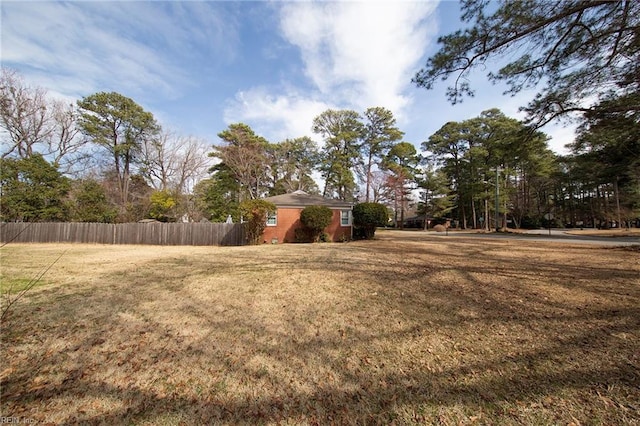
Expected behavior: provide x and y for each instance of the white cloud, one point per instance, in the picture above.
(361, 53)
(276, 117)
(355, 54)
(136, 48)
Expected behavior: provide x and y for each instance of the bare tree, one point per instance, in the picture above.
(379, 188)
(65, 142)
(35, 123)
(23, 115)
(176, 163)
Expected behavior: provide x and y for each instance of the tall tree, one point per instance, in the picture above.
(578, 51)
(35, 123)
(245, 154)
(341, 131)
(174, 163)
(448, 147)
(380, 133)
(292, 163)
(608, 148)
(120, 126)
(437, 201)
(23, 115)
(402, 160)
(65, 144)
(470, 151)
(218, 196)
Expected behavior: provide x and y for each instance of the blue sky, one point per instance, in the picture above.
(199, 66)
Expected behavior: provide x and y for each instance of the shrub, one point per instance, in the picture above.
(530, 222)
(255, 212)
(316, 219)
(163, 205)
(551, 223)
(368, 216)
(91, 203)
(302, 235)
(439, 228)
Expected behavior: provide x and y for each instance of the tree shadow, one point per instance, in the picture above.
(394, 344)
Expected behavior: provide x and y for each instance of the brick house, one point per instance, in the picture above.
(281, 227)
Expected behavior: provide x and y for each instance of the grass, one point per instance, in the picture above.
(403, 330)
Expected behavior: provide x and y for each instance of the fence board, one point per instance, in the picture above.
(195, 234)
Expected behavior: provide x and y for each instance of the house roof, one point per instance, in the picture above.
(302, 199)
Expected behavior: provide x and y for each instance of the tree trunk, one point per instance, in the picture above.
(615, 187)
(473, 210)
(486, 214)
(368, 178)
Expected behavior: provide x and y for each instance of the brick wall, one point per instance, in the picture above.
(289, 220)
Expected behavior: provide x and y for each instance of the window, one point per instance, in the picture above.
(345, 218)
(272, 219)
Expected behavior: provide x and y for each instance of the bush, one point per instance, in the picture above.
(530, 222)
(367, 217)
(163, 205)
(316, 219)
(90, 203)
(551, 223)
(439, 228)
(302, 235)
(254, 212)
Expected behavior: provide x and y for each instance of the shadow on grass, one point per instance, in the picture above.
(326, 339)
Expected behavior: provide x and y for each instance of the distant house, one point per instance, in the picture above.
(281, 226)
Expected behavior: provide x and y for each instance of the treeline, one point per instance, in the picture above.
(106, 159)
(582, 58)
(103, 159)
(365, 150)
(495, 161)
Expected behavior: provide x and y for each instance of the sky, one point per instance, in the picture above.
(199, 66)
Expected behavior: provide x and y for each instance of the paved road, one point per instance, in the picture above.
(543, 235)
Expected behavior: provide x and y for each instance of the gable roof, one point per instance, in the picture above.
(302, 199)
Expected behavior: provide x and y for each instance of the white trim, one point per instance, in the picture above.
(349, 218)
(273, 216)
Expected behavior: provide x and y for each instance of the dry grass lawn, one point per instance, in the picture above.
(401, 330)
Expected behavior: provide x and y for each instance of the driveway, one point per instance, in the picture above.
(559, 235)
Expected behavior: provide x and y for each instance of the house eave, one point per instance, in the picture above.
(302, 206)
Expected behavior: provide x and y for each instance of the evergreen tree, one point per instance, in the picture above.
(120, 126)
(402, 161)
(32, 190)
(218, 196)
(245, 156)
(576, 50)
(342, 131)
(470, 152)
(90, 203)
(380, 133)
(291, 163)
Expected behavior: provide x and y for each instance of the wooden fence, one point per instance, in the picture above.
(156, 233)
